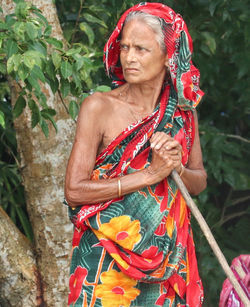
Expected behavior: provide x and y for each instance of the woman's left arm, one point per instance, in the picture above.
(194, 175)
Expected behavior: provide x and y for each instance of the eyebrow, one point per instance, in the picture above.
(142, 45)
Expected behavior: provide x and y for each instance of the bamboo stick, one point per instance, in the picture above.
(210, 238)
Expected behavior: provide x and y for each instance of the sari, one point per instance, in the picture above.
(138, 249)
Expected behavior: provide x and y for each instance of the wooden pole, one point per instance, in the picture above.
(210, 238)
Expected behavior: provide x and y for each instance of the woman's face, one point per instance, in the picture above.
(141, 57)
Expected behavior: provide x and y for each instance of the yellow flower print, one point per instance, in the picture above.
(116, 289)
(122, 231)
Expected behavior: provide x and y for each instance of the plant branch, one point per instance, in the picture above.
(224, 205)
(232, 136)
(77, 22)
(65, 107)
(240, 200)
(230, 217)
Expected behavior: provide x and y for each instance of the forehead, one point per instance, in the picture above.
(137, 30)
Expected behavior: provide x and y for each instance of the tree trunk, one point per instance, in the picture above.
(43, 164)
(19, 285)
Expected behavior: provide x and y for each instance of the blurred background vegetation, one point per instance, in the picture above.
(221, 34)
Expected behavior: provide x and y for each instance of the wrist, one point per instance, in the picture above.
(149, 175)
(180, 170)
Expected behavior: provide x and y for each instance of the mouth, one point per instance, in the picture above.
(131, 70)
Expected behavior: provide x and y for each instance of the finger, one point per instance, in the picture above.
(173, 152)
(171, 143)
(161, 152)
(155, 136)
(159, 140)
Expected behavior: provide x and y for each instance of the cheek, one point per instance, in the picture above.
(121, 58)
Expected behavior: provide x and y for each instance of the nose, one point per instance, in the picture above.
(131, 56)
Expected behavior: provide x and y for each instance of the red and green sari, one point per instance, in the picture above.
(138, 250)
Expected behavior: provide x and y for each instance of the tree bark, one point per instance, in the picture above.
(19, 285)
(43, 164)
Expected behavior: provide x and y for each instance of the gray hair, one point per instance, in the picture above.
(154, 22)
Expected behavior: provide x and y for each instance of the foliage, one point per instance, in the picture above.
(221, 34)
(33, 57)
(11, 189)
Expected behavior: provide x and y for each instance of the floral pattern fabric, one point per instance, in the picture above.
(138, 250)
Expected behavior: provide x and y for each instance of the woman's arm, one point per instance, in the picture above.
(79, 189)
(194, 175)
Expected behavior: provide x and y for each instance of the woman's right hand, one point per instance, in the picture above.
(166, 156)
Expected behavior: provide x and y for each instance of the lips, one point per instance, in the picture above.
(131, 70)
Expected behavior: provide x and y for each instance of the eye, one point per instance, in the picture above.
(123, 47)
(140, 48)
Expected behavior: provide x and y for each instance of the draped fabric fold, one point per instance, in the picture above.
(138, 250)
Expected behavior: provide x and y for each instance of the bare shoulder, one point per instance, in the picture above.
(98, 103)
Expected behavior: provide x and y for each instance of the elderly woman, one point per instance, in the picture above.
(132, 243)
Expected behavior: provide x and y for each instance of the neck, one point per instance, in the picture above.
(144, 97)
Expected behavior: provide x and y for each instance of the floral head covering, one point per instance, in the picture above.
(184, 75)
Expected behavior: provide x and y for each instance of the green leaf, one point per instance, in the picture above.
(73, 51)
(11, 48)
(44, 127)
(24, 222)
(93, 19)
(32, 57)
(3, 68)
(54, 84)
(19, 106)
(47, 31)
(82, 97)
(42, 18)
(50, 69)
(212, 7)
(65, 87)
(22, 9)
(31, 30)
(66, 69)
(88, 64)
(89, 32)
(33, 82)
(73, 109)
(37, 74)
(102, 88)
(23, 72)
(42, 99)
(3, 26)
(55, 42)
(74, 91)
(10, 21)
(76, 79)
(19, 29)
(56, 59)
(49, 111)
(210, 41)
(13, 63)
(10, 65)
(48, 114)
(17, 60)
(35, 113)
(40, 47)
(79, 61)
(2, 119)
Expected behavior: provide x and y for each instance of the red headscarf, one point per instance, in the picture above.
(185, 76)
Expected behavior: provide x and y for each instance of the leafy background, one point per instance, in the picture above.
(221, 34)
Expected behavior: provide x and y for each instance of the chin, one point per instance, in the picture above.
(133, 80)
